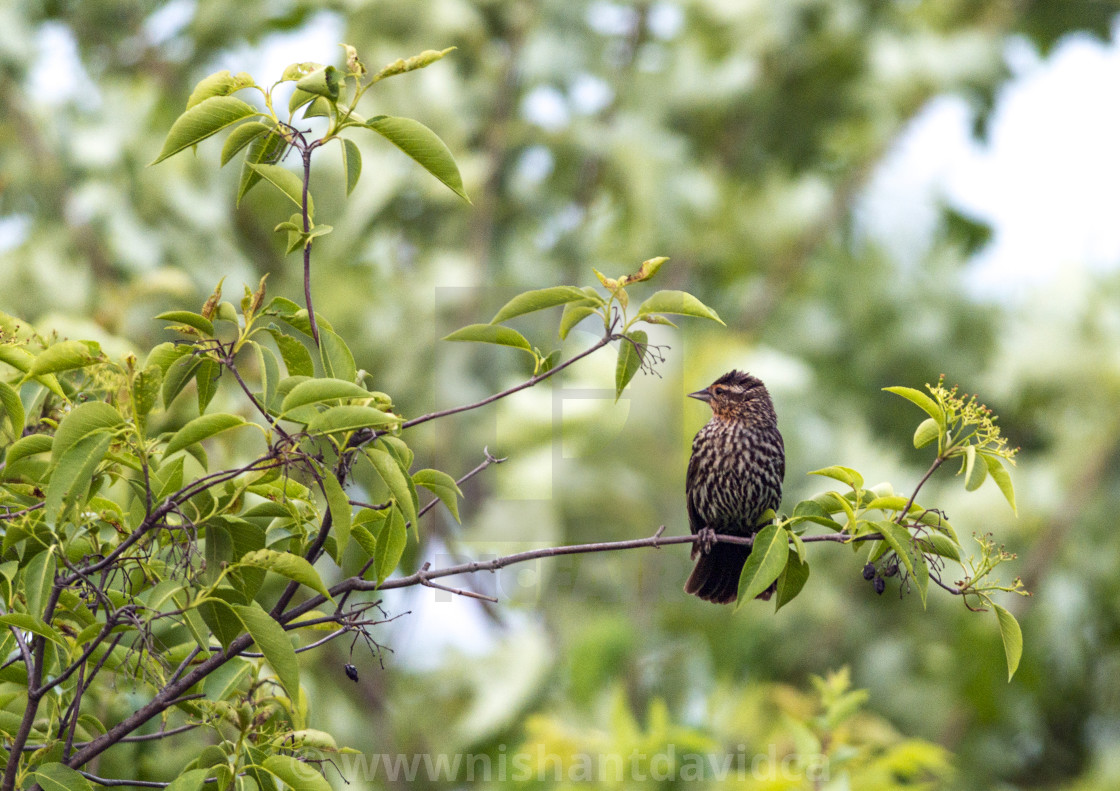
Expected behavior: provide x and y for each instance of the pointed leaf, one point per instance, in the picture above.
(573, 314)
(30, 623)
(391, 541)
(38, 578)
(315, 391)
(349, 417)
(678, 303)
(843, 474)
(927, 432)
(59, 777)
(424, 146)
(201, 121)
(287, 565)
(322, 82)
(296, 774)
(631, 351)
(71, 478)
(442, 486)
(203, 325)
(65, 356)
(341, 512)
(266, 148)
(1012, 636)
(792, 580)
(921, 399)
(974, 474)
(287, 182)
(220, 83)
(13, 407)
(352, 162)
(536, 300)
(273, 642)
(1002, 478)
(765, 563)
(241, 137)
(491, 333)
(337, 359)
(398, 483)
(202, 428)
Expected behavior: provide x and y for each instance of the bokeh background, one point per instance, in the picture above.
(868, 192)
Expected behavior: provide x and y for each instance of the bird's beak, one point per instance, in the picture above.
(701, 395)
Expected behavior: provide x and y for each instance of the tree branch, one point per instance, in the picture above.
(516, 388)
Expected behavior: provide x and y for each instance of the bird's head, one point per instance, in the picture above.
(737, 395)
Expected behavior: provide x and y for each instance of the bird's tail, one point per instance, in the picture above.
(716, 576)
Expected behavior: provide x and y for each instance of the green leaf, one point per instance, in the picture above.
(898, 538)
(765, 563)
(792, 580)
(287, 565)
(206, 381)
(391, 541)
(65, 356)
(974, 474)
(71, 478)
(38, 578)
(30, 445)
(243, 136)
(921, 399)
(30, 623)
(287, 182)
(322, 82)
(631, 351)
(491, 333)
(297, 774)
(201, 121)
(178, 374)
(266, 148)
(540, 299)
(424, 146)
(843, 474)
(442, 486)
(85, 419)
(338, 360)
(58, 777)
(1012, 636)
(1002, 478)
(191, 780)
(573, 314)
(224, 681)
(13, 407)
(349, 417)
(927, 432)
(269, 373)
(202, 428)
(294, 354)
(145, 390)
(220, 83)
(395, 478)
(352, 163)
(315, 391)
(677, 303)
(341, 512)
(273, 642)
(940, 544)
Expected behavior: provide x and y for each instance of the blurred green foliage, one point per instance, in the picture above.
(734, 137)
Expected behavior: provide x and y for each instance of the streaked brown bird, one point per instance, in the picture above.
(735, 474)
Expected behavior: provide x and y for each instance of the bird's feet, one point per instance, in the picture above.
(707, 540)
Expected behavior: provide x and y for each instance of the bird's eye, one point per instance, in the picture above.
(718, 390)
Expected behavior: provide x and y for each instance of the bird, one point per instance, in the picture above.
(734, 475)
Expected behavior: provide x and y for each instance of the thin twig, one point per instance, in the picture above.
(516, 388)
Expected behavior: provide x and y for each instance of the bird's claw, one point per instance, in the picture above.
(707, 540)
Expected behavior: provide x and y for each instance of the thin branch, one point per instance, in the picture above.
(22, 511)
(306, 151)
(426, 582)
(516, 388)
(111, 783)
